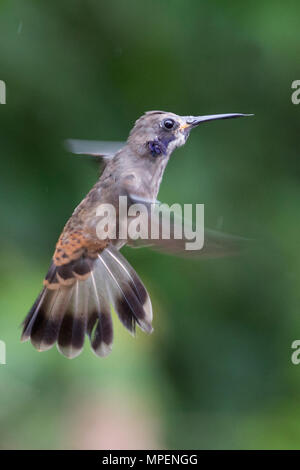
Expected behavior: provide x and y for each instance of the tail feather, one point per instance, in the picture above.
(72, 331)
(125, 298)
(64, 314)
(134, 281)
(100, 327)
(31, 316)
(102, 338)
(45, 329)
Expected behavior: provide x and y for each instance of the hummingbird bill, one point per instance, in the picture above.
(88, 276)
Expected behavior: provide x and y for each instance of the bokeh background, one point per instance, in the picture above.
(217, 372)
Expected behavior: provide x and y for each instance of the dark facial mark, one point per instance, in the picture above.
(160, 145)
(155, 148)
(165, 140)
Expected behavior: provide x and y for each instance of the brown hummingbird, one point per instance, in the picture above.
(88, 274)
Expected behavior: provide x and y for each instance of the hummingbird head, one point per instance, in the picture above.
(157, 133)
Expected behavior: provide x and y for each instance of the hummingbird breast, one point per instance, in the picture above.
(135, 174)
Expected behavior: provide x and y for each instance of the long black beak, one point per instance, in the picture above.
(194, 121)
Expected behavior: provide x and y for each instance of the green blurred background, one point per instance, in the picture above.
(217, 371)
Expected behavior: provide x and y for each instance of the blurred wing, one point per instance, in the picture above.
(95, 148)
(216, 244)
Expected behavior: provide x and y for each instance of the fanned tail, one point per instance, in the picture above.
(77, 299)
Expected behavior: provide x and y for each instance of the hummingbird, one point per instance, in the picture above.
(88, 275)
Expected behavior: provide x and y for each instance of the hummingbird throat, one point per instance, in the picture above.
(159, 146)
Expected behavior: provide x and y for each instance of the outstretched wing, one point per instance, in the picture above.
(215, 243)
(95, 148)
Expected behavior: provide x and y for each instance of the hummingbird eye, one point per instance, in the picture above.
(168, 124)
